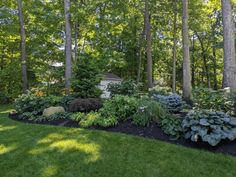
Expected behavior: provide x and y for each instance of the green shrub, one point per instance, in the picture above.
(171, 125)
(159, 90)
(53, 100)
(77, 117)
(121, 107)
(31, 103)
(27, 116)
(124, 88)
(59, 116)
(230, 103)
(89, 120)
(107, 121)
(205, 98)
(173, 102)
(4, 99)
(211, 127)
(85, 105)
(85, 81)
(32, 117)
(65, 101)
(148, 110)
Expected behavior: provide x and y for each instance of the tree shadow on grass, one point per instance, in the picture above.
(28, 150)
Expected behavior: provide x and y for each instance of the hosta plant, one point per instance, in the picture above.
(171, 125)
(210, 127)
(173, 102)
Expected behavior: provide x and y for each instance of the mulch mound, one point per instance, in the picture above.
(153, 132)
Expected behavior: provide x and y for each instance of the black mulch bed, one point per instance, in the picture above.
(153, 132)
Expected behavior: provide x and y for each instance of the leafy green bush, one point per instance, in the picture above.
(159, 90)
(148, 110)
(32, 117)
(77, 117)
(230, 103)
(4, 99)
(121, 107)
(85, 81)
(65, 101)
(107, 121)
(205, 98)
(211, 127)
(89, 120)
(173, 102)
(31, 103)
(59, 116)
(124, 88)
(171, 125)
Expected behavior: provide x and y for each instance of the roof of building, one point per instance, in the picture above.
(111, 76)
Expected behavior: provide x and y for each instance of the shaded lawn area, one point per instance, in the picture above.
(41, 151)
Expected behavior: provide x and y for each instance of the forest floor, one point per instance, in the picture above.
(31, 150)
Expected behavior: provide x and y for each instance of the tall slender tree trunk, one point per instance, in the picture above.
(204, 56)
(141, 42)
(149, 44)
(23, 47)
(68, 47)
(193, 61)
(229, 77)
(187, 89)
(76, 41)
(174, 47)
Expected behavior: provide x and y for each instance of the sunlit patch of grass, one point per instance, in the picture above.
(41, 151)
(49, 171)
(6, 149)
(4, 109)
(5, 128)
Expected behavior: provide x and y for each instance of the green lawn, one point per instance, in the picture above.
(42, 151)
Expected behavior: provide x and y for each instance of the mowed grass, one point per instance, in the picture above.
(48, 151)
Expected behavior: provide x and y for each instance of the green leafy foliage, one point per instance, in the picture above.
(86, 79)
(124, 88)
(173, 102)
(31, 103)
(159, 90)
(59, 116)
(209, 99)
(4, 99)
(171, 125)
(65, 101)
(210, 127)
(121, 107)
(148, 111)
(105, 122)
(77, 117)
(89, 119)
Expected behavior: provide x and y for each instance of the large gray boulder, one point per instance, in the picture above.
(52, 110)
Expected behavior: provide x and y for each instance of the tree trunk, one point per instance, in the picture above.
(23, 47)
(204, 56)
(186, 59)
(174, 47)
(68, 47)
(149, 45)
(229, 77)
(193, 61)
(140, 53)
(76, 41)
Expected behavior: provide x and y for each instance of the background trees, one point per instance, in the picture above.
(111, 35)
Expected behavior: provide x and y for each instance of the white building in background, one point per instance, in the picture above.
(106, 80)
